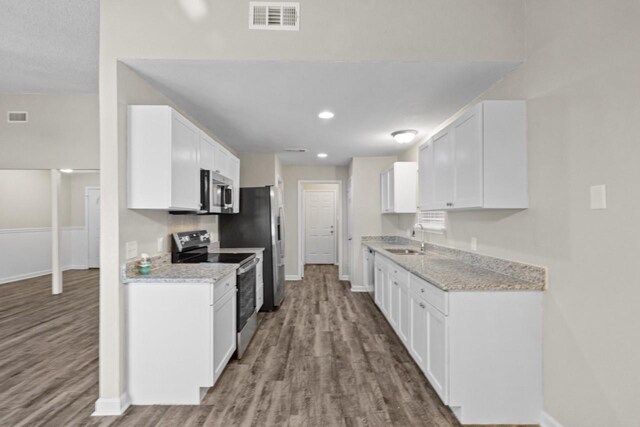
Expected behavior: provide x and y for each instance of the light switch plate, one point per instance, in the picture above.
(474, 244)
(599, 196)
(131, 249)
(160, 244)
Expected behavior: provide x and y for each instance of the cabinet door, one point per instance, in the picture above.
(425, 177)
(418, 330)
(467, 142)
(185, 170)
(391, 193)
(221, 161)
(443, 170)
(386, 290)
(394, 301)
(207, 152)
(384, 192)
(378, 289)
(436, 366)
(224, 331)
(234, 174)
(403, 313)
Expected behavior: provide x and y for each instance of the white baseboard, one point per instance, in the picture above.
(289, 277)
(112, 407)
(17, 278)
(361, 289)
(345, 277)
(547, 420)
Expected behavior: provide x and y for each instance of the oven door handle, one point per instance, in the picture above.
(248, 266)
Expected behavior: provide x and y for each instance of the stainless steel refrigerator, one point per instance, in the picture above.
(260, 223)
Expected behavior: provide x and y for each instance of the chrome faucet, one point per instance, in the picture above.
(422, 245)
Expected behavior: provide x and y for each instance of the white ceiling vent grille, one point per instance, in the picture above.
(295, 150)
(274, 16)
(17, 117)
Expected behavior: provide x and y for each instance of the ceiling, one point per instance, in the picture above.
(269, 106)
(49, 46)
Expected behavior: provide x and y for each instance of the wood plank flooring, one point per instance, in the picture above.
(326, 358)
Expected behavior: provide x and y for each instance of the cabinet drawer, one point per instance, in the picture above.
(398, 274)
(431, 294)
(222, 287)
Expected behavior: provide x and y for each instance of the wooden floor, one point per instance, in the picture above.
(326, 357)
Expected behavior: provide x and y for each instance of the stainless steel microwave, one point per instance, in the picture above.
(216, 193)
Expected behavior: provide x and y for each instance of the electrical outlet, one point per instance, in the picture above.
(598, 197)
(131, 249)
(474, 244)
(160, 244)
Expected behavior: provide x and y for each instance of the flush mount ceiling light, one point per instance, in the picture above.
(404, 136)
(322, 155)
(66, 170)
(326, 115)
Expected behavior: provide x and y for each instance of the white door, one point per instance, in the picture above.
(436, 366)
(418, 330)
(320, 225)
(425, 177)
(92, 207)
(403, 313)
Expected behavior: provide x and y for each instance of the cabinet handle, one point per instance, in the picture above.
(422, 305)
(422, 290)
(395, 283)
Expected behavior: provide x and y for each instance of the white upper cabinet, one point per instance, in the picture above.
(234, 174)
(163, 160)
(477, 162)
(165, 154)
(207, 152)
(398, 188)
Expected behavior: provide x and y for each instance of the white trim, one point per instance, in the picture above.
(301, 183)
(19, 277)
(361, 289)
(547, 420)
(290, 277)
(112, 407)
(86, 221)
(345, 277)
(36, 229)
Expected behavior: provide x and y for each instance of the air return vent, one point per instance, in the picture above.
(17, 117)
(295, 150)
(274, 16)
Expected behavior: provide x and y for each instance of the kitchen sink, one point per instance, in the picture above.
(403, 251)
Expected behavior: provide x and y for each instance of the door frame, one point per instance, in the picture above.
(335, 223)
(86, 219)
(339, 225)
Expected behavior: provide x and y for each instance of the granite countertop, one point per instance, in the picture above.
(163, 271)
(453, 270)
(234, 250)
(187, 273)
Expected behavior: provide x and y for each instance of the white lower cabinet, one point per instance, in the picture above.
(179, 338)
(481, 351)
(259, 281)
(224, 332)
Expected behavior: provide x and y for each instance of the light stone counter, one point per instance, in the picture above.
(455, 270)
(162, 271)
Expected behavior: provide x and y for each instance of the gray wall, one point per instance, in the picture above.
(62, 132)
(291, 176)
(580, 80)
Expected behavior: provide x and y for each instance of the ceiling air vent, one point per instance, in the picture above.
(274, 16)
(17, 117)
(295, 150)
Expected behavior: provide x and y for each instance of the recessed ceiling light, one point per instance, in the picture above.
(404, 136)
(322, 155)
(326, 115)
(66, 170)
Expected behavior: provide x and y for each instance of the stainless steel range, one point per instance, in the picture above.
(192, 247)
